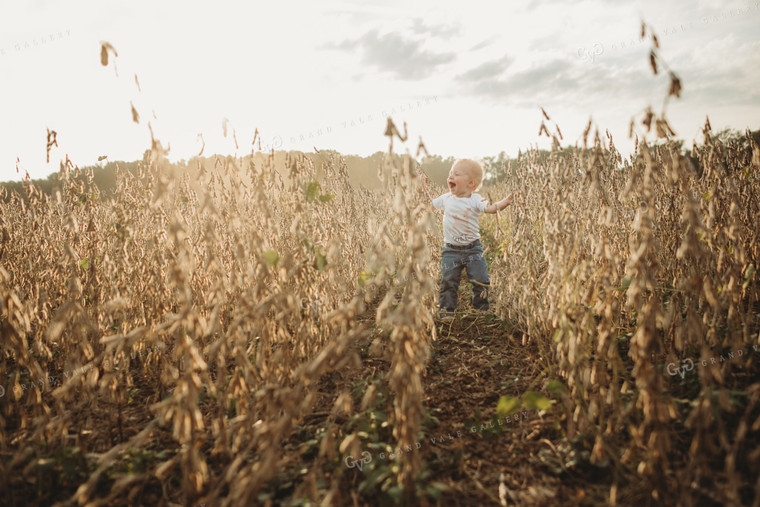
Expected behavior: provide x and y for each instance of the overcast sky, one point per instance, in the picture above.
(468, 77)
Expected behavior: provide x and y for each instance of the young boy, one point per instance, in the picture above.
(461, 235)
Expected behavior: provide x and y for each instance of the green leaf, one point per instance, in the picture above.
(365, 277)
(312, 190)
(84, 263)
(436, 490)
(310, 444)
(507, 405)
(271, 257)
(748, 276)
(626, 283)
(326, 197)
(377, 475)
(534, 400)
(556, 388)
(396, 494)
(320, 261)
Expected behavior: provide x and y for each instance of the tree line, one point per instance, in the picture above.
(362, 171)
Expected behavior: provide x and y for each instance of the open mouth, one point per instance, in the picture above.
(451, 185)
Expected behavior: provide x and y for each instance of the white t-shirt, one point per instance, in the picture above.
(460, 217)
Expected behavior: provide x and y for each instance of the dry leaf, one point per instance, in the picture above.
(675, 86)
(135, 115)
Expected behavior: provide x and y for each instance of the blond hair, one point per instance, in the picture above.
(473, 167)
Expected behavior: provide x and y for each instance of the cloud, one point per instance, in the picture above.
(443, 31)
(549, 77)
(718, 80)
(395, 53)
(484, 43)
(561, 82)
(488, 70)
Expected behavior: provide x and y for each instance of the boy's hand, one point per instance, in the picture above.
(495, 208)
(512, 196)
(519, 198)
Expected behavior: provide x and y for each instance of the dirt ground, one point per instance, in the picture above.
(465, 445)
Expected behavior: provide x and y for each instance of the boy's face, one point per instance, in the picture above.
(461, 181)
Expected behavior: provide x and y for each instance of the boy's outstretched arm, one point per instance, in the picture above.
(498, 206)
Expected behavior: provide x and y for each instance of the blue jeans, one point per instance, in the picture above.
(469, 257)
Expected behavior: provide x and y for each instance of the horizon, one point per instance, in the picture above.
(242, 156)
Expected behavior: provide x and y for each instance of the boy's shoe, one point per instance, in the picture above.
(445, 315)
